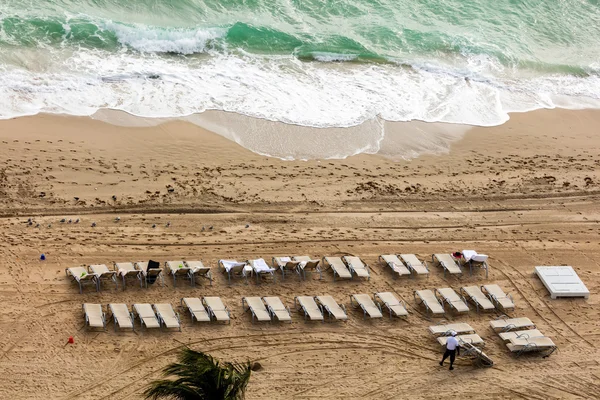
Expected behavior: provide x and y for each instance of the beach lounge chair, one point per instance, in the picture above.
(126, 270)
(450, 297)
(166, 316)
(447, 262)
(338, 267)
(198, 270)
(196, 308)
(392, 261)
(473, 339)
(526, 334)
(428, 299)
(445, 329)
(308, 264)
(535, 344)
(511, 324)
(390, 301)
(260, 268)
(476, 354)
(473, 259)
(475, 294)
(277, 309)
(121, 316)
(309, 307)
(178, 269)
(333, 309)
(357, 266)
(216, 309)
(286, 264)
(146, 315)
(368, 306)
(94, 316)
(82, 276)
(235, 268)
(414, 264)
(103, 274)
(501, 300)
(257, 308)
(149, 275)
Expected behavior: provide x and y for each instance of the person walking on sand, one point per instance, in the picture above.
(452, 348)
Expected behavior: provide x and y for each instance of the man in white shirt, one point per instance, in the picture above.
(452, 348)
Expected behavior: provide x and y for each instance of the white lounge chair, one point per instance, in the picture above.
(397, 267)
(309, 307)
(368, 306)
(450, 297)
(178, 269)
(126, 270)
(257, 308)
(286, 264)
(338, 267)
(260, 268)
(475, 353)
(357, 266)
(121, 316)
(475, 294)
(473, 339)
(104, 274)
(94, 316)
(235, 268)
(196, 309)
(198, 270)
(149, 275)
(502, 300)
(390, 301)
(277, 309)
(308, 264)
(535, 344)
(526, 334)
(82, 276)
(146, 315)
(511, 324)
(166, 316)
(446, 329)
(414, 264)
(216, 309)
(428, 299)
(328, 303)
(473, 259)
(447, 262)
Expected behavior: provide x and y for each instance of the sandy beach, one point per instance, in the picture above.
(526, 193)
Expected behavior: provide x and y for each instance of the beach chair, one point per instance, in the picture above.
(216, 309)
(397, 267)
(475, 294)
(479, 358)
(473, 259)
(94, 316)
(149, 275)
(525, 334)
(511, 324)
(308, 264)
(234, 268)
(390, 301)
(286, 264)
(338, 267)
(104, 274)
(260, 268)
(472, 338)
(368, 306)
(257, 308)
(121, 316)
(196, 309)
(447, 262)
(428, 299)
(335, 310)
(178, 269)
(535, 344)
(501, 300)
(414, 264)
(198, 270)
(126, 270)
(445, 329)
(166, 316)
(146, 315)
(82, 276)
(309, 307)
(450, 297)
(357, 266)
(277, 309)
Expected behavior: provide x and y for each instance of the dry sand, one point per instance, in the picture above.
(526, 193)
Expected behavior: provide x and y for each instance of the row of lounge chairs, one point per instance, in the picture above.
(485, 298)
(521, 336)
(468, 339)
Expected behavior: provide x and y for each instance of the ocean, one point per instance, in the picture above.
(311, 63)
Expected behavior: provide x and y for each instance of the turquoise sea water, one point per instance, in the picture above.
(308, 62)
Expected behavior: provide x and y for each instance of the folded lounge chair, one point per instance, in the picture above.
(104, 274)
(473, 339)
(414, 264)
(392, 261)
(338, 267)
(82, 276)
(535, 344)
(234, 268)
(149, 273)
(198, 270)
(94, 316)
(446, 329)
(309, 307)
(260, 267)
(526, 334)
(121, 316)
(286, 264)
(147, 316)
(178, 269)
(166, 316)
(390, 301)
(475, 353)
(511, 324)
(334, 309)
(475, 294)
(368, 306)
(428, 299)
(447, 262)
(277, 309)
(473, 259)
(196, 308)
(357, 266)
(450, 297)
(257, 308)
(502, 300)
(126, 270)
(308, 264)
(216, 309)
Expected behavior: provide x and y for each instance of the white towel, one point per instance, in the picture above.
(228, 264)
(284, 259)
(260, 265)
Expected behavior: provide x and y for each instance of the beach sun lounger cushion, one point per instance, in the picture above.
(338, 267)
(357, 266)
(392, 261)
(414, 264)
(146, 315)
(450, 297)
(368, 306)
(511, 324)
(448, 263)
(498, 297)
(121, 315)
(94, 316)
(257, 308)
(431, 303)
(309, 307)
(475, 294)
(196, 309)
(166, 316)
(334, 310)
(390, 301)
(277, 309)
(216, 309)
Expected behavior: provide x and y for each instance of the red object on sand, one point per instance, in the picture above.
(71, 340)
